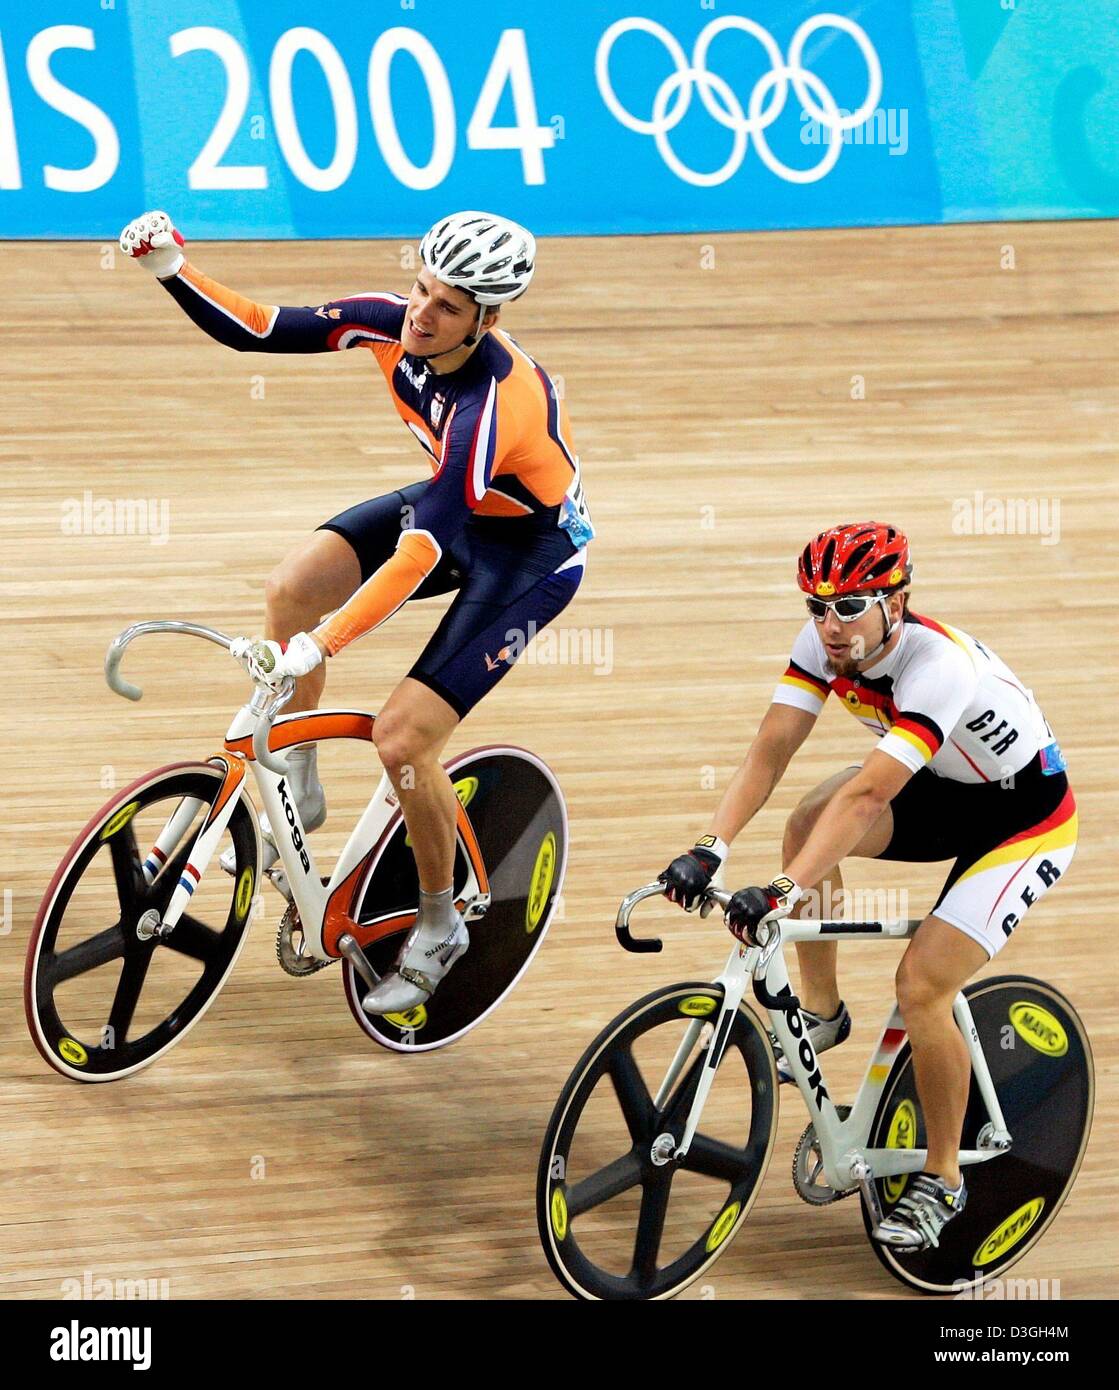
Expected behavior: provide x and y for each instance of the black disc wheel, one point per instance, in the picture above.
(520, 820)
(101, 1000)
(1041, 1064)
(619, 1216)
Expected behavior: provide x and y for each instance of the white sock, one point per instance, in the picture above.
(437, 912)
(303, 774)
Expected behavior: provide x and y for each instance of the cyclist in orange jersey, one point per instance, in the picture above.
(502, 522)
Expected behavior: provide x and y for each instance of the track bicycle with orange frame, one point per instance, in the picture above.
(139, 927)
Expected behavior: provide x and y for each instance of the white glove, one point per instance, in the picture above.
(155, 243)
(269, 663)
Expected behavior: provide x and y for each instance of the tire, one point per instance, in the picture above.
(1041, 1065)
(70, 1034)
(520, 820)
(725, 1175)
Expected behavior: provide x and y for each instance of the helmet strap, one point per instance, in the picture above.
(469, 341)
(472, 338)
(888, 628)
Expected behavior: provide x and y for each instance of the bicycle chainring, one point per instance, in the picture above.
(290, 946)
(808, 1165)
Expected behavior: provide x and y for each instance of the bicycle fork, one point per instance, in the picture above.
(737, 972)
(206, 842)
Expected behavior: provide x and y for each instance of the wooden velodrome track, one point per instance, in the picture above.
(276, 1153)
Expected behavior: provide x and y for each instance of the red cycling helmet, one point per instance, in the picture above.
(854, 557)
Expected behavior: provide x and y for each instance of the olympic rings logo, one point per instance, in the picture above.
(721, 102)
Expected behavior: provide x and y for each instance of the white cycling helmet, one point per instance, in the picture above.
(489, 257)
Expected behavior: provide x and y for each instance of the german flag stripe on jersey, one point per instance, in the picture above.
(939, 627)
(923, 733)
(800, 679)
(1055, 832)
(876, 708)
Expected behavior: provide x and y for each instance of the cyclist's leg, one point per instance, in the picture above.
(505, 594)
(314, 578)
(937, 964)
(326, 568)
(819, 988)
(411, 732)
(509, 593)
(1021, 841)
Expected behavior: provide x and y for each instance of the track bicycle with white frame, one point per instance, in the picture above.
(140, 928)
(657, 1146)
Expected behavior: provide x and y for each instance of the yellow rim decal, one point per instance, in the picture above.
(413, 1019)
(541, 882)
(697, 1005)
(244, 894)
(902, 1133)
(559, 1213)
(465, 789)
(73, 1052)
(119, 820)
(1007, 1235)
(1039, 1028)
(722, 1227)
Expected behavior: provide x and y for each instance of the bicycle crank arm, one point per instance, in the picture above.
(475, 908)
(863, 1174)
(357, 958)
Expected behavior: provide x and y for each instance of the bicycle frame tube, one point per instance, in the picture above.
(842, 1142)
(734, 978)
(324, 910)
(207, 840)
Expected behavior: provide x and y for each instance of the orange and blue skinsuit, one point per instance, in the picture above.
(502, 519)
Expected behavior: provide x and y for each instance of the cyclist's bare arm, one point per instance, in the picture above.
(781, 732)
(848, 816)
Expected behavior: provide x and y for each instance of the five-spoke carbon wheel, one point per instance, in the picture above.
(103, 999)
(619, 1216)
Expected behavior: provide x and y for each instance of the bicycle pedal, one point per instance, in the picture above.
(475, 908)
(279, 880)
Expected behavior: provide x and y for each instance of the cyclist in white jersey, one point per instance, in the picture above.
(966, 768)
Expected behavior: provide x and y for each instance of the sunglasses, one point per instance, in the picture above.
(845, 609)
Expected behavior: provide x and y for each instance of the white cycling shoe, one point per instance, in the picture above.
(312, 812)
(425, 958)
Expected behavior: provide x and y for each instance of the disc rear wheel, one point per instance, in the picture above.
(1040, 1062)
(518, 814)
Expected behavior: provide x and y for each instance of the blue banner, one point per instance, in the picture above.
(290, 118)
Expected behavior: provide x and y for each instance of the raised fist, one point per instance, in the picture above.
(154, 242)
